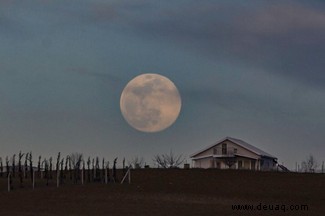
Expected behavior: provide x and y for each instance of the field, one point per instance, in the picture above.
(174, 192)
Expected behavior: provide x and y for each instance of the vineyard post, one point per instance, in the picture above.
(106, 176)
(82, 176)
(57, 177)
(33, 179)
(9, 181)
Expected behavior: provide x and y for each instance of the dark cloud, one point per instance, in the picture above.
(286, 37)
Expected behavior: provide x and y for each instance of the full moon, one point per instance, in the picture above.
(150, 102)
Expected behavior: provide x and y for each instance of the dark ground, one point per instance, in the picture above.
(172, 192)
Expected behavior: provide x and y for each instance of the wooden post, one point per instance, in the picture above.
(82, 176)
(105, 175)
(57, 178)
(33, 179)
(9, 181)
(128, 173)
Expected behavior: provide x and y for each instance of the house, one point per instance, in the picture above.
(231, 153)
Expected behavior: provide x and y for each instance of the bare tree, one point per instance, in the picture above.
(137, 162)
(75, 163)
(93, 169)
(114, 176)
(66, 166)
(310, 164)
(229, 161)
(20, 171)
(46, 169)
(97, 170)
(39, 166)
(103, 171)
(75, 159)
(83, 169)
(70, 168)
(107, 168)
(58, 163)
(168, 160)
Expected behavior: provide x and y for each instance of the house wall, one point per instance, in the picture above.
(220, 164)
(204, 163)
(267, 164)
(248, 164)
(205, 153)
(240, 150)
(230, 147)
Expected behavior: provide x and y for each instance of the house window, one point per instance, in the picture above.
(224, 148)
(215, 151)
(235, 151)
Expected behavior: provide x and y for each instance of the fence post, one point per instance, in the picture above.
(128, 173)
(9, 181)
(57, 178)
(33, 179)
(82, 176)
(105, 175)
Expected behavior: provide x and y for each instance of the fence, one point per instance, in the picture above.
(14, 179)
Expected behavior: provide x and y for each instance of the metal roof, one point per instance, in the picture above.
(240, 143)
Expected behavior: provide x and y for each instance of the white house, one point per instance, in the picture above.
(234, 154)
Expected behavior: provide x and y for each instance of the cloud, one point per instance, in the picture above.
(285, 38)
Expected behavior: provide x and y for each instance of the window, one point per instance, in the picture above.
(235, 151)
(224, 148)
(215, 151)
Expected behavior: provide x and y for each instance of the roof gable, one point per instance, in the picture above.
(250, 147)
(240, 143)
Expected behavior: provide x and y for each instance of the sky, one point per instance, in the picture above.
(253, 70)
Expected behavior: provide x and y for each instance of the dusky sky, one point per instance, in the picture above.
(250, 69)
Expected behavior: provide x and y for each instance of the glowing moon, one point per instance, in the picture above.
(150, 103)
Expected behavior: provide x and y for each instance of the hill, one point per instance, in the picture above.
(175, 192)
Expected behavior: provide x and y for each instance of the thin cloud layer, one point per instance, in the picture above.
(283, 38)
(250, 69)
